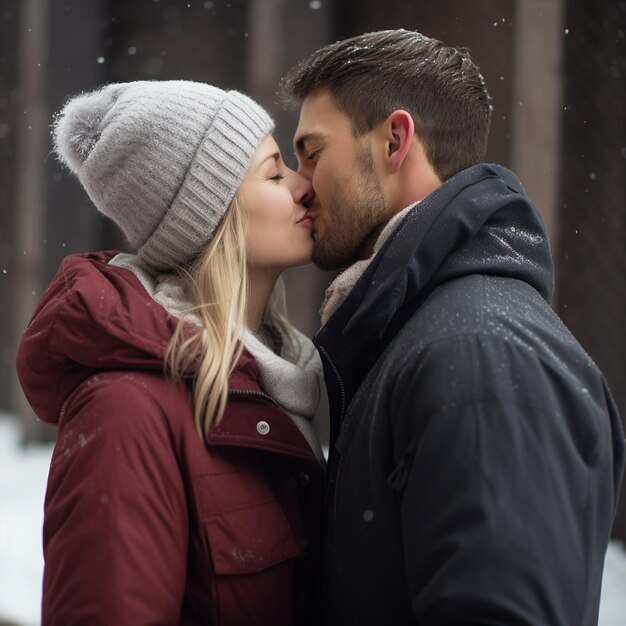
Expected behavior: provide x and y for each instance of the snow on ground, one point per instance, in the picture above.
(613, 600)
(23, 473)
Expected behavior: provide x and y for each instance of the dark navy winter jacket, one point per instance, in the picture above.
(476, 451)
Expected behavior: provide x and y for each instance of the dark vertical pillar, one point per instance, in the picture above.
(10, 99)
(538, 105)
(29, 224)
(592, 259)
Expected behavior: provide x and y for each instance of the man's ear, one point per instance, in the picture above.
(400, 131)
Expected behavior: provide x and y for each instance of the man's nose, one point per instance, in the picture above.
(303, 170)
(303, 192)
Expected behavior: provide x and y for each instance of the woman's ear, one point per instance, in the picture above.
(400, 130)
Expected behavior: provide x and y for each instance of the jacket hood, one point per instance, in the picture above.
(93, 317)
(480, 221)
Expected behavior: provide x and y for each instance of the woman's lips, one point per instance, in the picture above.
(307, 221)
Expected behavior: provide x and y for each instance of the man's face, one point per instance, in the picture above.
(349, 207)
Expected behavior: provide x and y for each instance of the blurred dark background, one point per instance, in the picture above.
(556, 70)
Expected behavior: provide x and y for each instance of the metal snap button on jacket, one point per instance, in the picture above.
(263, 428)
(304, 479)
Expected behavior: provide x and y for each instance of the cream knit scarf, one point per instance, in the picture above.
(294, 378)
(339, 289)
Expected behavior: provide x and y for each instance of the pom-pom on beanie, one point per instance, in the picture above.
(162, 159)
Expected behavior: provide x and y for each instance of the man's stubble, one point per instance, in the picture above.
(354, 217)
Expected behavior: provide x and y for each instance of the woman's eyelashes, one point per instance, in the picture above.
(278, 176)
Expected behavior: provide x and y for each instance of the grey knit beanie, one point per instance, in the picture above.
(162, 159)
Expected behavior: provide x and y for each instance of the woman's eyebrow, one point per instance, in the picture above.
(274, 155)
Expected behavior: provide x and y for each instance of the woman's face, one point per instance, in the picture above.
(279, 233)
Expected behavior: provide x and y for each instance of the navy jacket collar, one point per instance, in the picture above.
(480, 221)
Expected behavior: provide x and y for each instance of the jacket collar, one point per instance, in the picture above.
(253, 419)
(478, 222)
(254, 422)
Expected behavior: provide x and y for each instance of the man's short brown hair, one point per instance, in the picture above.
(374, 74)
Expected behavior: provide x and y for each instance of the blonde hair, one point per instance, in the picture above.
(216, 284)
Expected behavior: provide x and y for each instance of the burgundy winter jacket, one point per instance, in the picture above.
(145, 524)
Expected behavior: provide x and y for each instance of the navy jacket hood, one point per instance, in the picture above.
(480, 221)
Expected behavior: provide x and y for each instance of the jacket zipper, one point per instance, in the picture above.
(338, 376)
(336, 489)
(335, 464)
(252, 392)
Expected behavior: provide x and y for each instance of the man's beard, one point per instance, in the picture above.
(354, 217)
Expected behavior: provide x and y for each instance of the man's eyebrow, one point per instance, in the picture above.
(300, 141)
